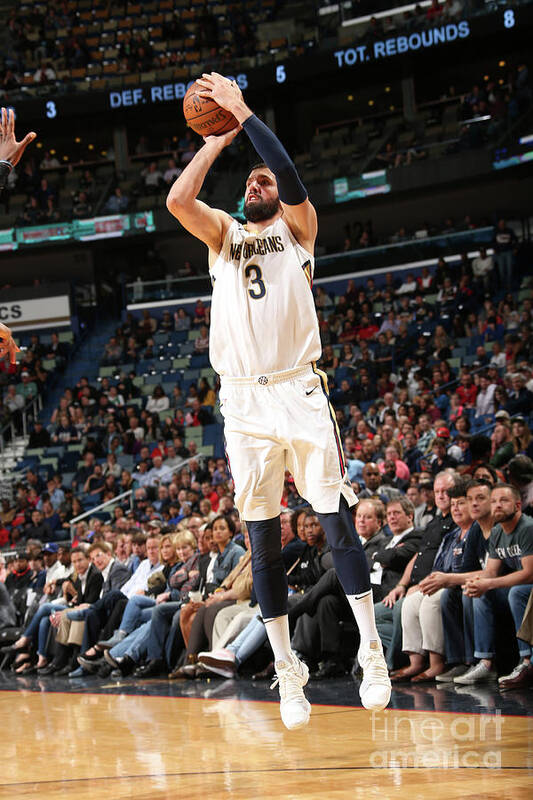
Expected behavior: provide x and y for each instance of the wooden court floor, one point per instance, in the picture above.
(113, 746)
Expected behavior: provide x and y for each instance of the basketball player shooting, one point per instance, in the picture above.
(264, 344)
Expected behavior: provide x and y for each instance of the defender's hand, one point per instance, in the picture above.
(10, 149)
(8, 348)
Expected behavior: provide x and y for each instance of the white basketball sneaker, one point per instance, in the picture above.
(375, 687)
(291, 676)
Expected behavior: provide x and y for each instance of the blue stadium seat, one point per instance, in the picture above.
(69, 461)
(178, 336)
(191, 374)
(67, 478)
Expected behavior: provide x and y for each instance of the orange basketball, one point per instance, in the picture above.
(204, 116)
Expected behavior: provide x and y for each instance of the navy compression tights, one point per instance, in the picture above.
(268, 569)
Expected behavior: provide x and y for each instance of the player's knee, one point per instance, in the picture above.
(265, 542)
(339, 531)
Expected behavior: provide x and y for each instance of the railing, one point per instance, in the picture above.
(400, 254)
(129, 494)
(142, 291)
(34, 405)
(8, 436)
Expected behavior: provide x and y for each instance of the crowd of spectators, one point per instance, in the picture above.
(450, 558)
(484, 114)
(440, 453)
(40, 181)
(412, 19)
(25, 380)
(54, 42)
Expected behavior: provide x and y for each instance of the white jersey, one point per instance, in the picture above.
(263, 316)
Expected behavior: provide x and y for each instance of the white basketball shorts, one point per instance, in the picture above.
(277, 422)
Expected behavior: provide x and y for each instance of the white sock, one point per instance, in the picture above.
(279, 637)
(362, 606)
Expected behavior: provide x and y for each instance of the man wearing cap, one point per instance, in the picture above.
(56, 570)
(20, 575)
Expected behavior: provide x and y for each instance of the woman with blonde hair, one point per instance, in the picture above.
(235, 587)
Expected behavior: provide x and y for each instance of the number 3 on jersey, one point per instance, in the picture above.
(259, 290)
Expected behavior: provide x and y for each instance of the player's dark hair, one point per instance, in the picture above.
(259, 165)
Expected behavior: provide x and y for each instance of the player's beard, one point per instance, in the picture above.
(260, 210)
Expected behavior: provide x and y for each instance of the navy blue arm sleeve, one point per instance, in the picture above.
(291, 190)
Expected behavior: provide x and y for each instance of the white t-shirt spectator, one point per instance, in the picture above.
(138, 433)
(157, 404)
(482, 266)
(14, 401)
(498, 361)
(159, 475)
(139, 579)
(201, 344)
(46, 74)
(152, 178)
(485, 401)
(407, 287)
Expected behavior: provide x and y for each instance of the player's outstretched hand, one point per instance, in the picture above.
(224, 92)
(10, 149)
(224, 139)
(8, 348)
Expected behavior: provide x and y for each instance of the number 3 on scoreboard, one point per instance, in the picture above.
(260, 292)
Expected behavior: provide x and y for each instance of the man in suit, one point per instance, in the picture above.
(369, 521)
(114, 576)
(81, 589)
(389, 562)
